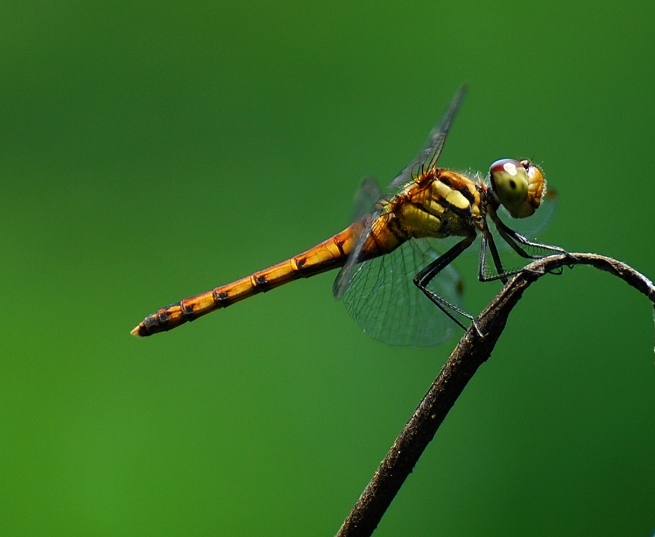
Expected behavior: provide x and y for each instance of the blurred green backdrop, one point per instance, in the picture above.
(152, 151)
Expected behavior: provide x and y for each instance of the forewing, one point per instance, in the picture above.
(367, 195)
(429, 155)
(384, 301)
(369, 190)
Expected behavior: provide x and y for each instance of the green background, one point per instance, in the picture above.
(150, 151)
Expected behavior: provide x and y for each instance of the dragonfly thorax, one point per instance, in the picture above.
(440, 203)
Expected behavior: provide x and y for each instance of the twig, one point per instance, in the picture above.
(470, 353)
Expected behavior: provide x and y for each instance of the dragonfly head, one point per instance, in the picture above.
(519, 185)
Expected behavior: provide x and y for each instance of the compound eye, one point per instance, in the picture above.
(519, 186)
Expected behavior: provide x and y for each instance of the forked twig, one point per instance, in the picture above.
(471, 351)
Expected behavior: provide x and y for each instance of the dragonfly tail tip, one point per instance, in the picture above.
(136, 331)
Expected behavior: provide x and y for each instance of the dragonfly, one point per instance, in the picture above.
(393, 280)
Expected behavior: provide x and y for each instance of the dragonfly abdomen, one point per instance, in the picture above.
(325, 256)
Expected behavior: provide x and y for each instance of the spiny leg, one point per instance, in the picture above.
(517, 242)
(488, 240)
(423, 279)
(514, 239)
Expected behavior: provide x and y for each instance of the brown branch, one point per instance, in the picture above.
(470, 353)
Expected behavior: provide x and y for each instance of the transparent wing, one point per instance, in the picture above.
(347, 273)
(384, 301)
(429, 155)
(426, 158)
(532, 226)
(366, 197)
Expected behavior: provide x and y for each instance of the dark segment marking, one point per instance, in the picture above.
(187, 312)
(262, 283)
(222, 298)
(298, 266)
(340, 247)
(151, 321)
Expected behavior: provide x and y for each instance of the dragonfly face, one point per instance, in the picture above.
(393, 280)
(519, 185)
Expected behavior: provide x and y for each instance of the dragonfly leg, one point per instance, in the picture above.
(475, 324)
(423, 279)
(518, 243)
(515, 239)
(501, 274)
